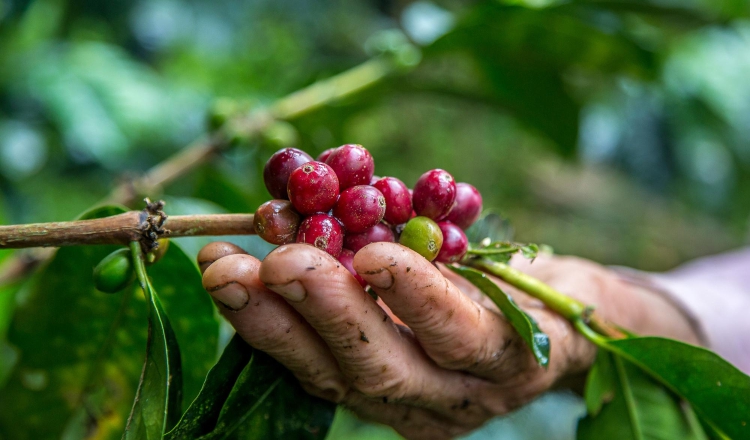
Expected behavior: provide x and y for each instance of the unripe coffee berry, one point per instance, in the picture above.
(322, 231)
(353, 165)
(398, 205)
(115, 272)
(313, 187)
(434, 194)
(423, 236)
(346, 258)
(455, 243)
(468, 206)
(279, 167)
(277, 222)
(375, 234)
(360, 208)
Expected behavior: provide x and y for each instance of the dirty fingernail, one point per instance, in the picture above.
(381, 278)
(293, 291)
(233, 295)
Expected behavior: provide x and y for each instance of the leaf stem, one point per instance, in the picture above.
(571, 309)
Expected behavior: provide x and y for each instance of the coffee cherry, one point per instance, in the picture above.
(468, 206)
(434, 194)
(313, 187)
(346, 257)
(375, 234)
(353, 165)
(360, 208)
(322, 157)
(277, 222)
(422, 235)
(216, 250)
(398, 206)
(279, 167)
(114, 272)
(322, 231)
(455, 243)
(157, 254)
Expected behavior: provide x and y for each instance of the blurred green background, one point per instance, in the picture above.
(614, 130)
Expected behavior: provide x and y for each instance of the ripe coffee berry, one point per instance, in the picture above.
(422, 235)
(360, 208)
(279, 167)
(375, 234)
(324, 155)
(468, 206)
(455, 243)
(398, 206)
(353, 165)
(313, 187)
(277, 222)
(346, 258)
(434, 194)
(322, 231)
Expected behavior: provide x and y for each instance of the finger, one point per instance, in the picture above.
(215, 250)
(455, 331)
(378, 359)
(268, 323)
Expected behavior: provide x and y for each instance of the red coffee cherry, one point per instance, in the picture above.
(398, 205)
(375, 234)
(279, 167)
(277, 222)
(360, 208)
(322, 231)
(455, 243)
(468, 206)
(346, 257)
(434, 194)
(324, 155)
(353, 165)
(313, 187)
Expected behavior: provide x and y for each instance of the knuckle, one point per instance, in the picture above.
(387, 388)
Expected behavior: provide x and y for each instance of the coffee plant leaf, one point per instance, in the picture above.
(637, 407)
(718, 392)
(522, 322)
(79, 351)
(203, 413)
(158, 401)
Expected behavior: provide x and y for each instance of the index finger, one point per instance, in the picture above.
(455, 331)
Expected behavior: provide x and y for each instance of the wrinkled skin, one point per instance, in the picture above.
(455, 363)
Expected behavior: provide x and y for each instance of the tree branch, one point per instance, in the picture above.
(121, 229)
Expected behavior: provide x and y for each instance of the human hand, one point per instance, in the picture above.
(454, 364)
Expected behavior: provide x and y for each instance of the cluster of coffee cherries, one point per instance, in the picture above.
(336, 204)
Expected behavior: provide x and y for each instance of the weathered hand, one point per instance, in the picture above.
(454, 364)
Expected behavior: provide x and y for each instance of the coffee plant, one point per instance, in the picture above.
(135, 293)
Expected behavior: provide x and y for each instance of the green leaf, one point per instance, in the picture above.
(267, 402)
(640, 408)
(202, 415)
(523, 323)
(600, 383)
(191, 312)
(158, 402)
(79, 351)
(718, 392)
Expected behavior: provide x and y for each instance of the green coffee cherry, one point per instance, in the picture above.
(423, 236)
(156, 255)
(115, 272)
